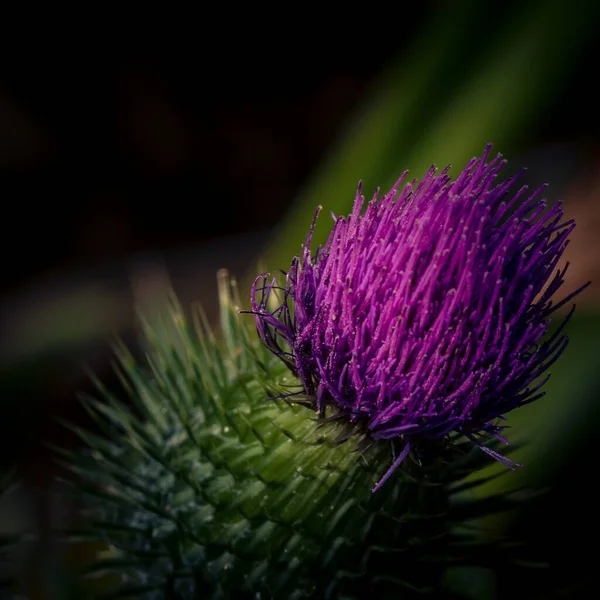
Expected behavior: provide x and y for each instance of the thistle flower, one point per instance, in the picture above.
(427, 313)
(423, 316)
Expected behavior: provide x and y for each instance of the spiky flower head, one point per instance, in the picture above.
(427, 312)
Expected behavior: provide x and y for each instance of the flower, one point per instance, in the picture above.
(427, 313)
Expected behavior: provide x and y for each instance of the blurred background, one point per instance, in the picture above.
(136, 161)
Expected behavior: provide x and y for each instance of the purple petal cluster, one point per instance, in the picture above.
(427, 311)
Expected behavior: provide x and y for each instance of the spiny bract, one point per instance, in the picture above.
(201, 489)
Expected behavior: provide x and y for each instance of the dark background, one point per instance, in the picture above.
(168, 142)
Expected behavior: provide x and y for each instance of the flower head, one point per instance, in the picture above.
(427, 312)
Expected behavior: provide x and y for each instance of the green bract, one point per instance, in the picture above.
(202, 488)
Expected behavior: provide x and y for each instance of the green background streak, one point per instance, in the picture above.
(474, 75)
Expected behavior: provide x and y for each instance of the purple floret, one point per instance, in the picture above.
(426, 313)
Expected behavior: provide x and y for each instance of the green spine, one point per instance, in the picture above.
(201, 487)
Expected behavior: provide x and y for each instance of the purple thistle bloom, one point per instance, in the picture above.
(426, 313)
